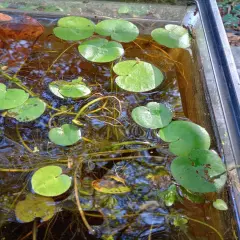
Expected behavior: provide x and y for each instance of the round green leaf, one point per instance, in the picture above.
(74, 28)
(32, 109)
(154, 115)
(100, 50)
(65, 135)
(35, 207)
(11, 98)
(196, 171)
(54, 87)
(50, 182)
(119, 30)
(137, 76)
(74, 89)
(220, 205)
(173, 36)
(185, 137)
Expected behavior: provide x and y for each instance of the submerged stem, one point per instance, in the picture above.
(90, 229)
(34, 229)
(82, 109)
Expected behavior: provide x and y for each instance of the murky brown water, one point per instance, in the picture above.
(38, 59)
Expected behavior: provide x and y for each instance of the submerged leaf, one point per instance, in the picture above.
(50, 182)
(137, 76)
(35, 206)
(32, 109)
(119, 30)
(220, 205)
(74, 28)
(154, 115)
(173, 36)
(191, 196)
(196, 171)
(180, 221)
(5, 17)
(184, 137)
(66, 135)
(100, 50)
(112, 185)
(11, 98)
(169, 196)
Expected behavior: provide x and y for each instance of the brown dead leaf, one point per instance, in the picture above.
(5, 17)
(233, 39)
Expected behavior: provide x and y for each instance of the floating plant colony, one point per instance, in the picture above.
(196, 169)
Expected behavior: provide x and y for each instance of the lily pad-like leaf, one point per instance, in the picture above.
(172, 36)
(66, 135)
(184, 137)
(137, 76)
(196, 171)
(11, 98)
(154, 115)
(100, 50)
(111, 185)
(220, 205)
(32, 109)
(50, 182)
(35, 206)
(74, 89)
(74, 28)
(119, 30)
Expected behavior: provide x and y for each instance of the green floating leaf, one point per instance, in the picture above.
(154, 115)
(184, 137)
(137, 76)
(74, 89)
(220, 205)
(124, 9)
(196, 171)
(100, 50)
(32, 109)
(50, 182)
(66, 135)
(11, 98)
(35, 207)
(119, 30)
(173, 36)
(74, 28)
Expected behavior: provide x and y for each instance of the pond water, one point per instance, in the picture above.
(114, 151)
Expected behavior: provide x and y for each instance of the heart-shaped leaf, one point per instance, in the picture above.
(11, 98)
(74, 28)
(173, 36)
(119, 30)
(220, 205)
(50, 182)
(100, 50)
(154, 115)
(35, 206)
(196, 171)
(32, 109)
(137, 76)
(66, 135)
(185, 137)
(74, 89)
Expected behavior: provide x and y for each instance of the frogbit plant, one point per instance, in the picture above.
(195, 168)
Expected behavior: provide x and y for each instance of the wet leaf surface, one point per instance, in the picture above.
(35, 207)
